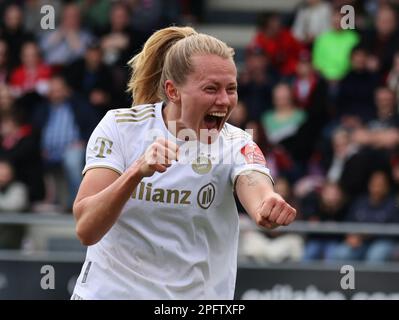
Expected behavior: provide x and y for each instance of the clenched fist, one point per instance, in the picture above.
(274, 211)
(158, 157)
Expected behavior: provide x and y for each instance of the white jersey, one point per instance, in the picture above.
(177, 235)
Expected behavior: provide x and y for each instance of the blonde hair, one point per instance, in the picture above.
(166, 55)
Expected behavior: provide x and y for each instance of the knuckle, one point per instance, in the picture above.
(272, 200)
(152, 149)
(281, 202)
(159, 140)
(156, 146)
(152, 166)
(259, 220)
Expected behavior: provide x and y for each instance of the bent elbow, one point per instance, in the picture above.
(85, 237)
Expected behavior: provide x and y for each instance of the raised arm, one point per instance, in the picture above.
(103, 192)
(266, 207)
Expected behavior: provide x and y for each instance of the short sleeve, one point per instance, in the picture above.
(104, 148)
(249, 157)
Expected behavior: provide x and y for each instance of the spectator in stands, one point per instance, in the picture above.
(285, 118)
(382, 40)
(393, 78)
(309, 94)
(32, 75)
(311, 20)
(309, 90)
(13, 194)
(193, 11)
(119, 41)
(67, 42)
(95, 13)
(12, 31)
(13, 198)
(395, 170)
(278, 43)
(355, 100)
(256, 81)
(387, 113)
(147, 16)
(382, 132)
(66, 124)
(6, 98)
(329, 204)
(378, 206)
(90, 77)
(349, 165)
(331, 50)
(20, 145)
(4, 65)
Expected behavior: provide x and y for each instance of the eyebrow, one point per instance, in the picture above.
(204, 82)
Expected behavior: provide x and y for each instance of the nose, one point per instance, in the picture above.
(222, 98)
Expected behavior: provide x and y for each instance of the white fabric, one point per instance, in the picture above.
(312, 21)
(165, 250)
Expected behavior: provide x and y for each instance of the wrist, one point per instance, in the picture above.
(134, 171)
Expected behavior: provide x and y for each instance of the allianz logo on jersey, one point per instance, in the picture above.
(146, 192)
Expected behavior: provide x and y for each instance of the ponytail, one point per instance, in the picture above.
(147, 66)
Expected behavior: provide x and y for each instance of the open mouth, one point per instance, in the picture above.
(213, 120)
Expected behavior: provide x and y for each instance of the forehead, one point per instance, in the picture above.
(213, 68)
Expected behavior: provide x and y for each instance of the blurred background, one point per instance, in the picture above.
(322, 101)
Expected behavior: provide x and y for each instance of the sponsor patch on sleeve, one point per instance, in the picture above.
(253, 154)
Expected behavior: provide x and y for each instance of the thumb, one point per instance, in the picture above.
(271, 225)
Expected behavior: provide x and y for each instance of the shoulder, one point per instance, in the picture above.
(17, 186)
(232, 133)
(325, 7)
(299, 113)
(351, 34)
(135, 115)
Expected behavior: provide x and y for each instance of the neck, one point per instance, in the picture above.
(172, 114)
(288, 109)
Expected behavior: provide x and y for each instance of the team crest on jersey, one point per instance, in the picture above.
(201, 165)
(253, 154)
(206, 195)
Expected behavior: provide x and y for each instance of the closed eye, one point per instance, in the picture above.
(210, 89)
(232, 90)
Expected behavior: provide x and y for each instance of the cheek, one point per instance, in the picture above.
(233, 100)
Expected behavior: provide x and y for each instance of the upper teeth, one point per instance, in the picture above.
(217, 114)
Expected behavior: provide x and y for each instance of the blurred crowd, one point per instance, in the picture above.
(322, 102)
(56, 85)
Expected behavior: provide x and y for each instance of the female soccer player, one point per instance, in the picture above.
(159, 227)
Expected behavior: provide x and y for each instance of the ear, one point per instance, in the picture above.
(171, 91)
